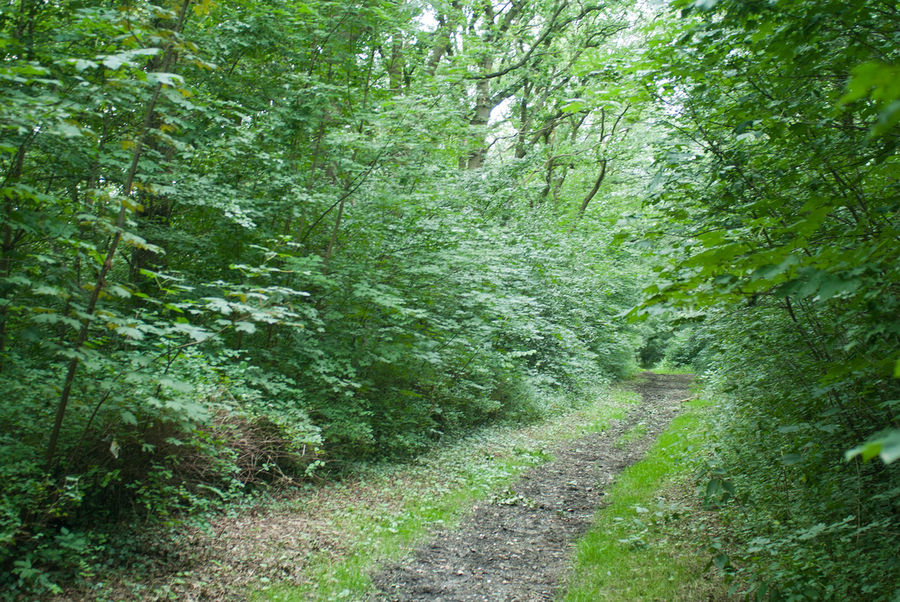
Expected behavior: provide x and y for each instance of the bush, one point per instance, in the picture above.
(805, 523)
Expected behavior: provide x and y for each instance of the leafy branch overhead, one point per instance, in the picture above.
(249, 243)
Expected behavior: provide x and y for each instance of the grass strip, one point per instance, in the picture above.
(664, 368)
(388, 511)
(644, 543)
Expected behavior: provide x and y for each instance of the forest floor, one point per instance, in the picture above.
(519, 546)
(494, 516)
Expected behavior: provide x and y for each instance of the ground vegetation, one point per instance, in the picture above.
(251, 244)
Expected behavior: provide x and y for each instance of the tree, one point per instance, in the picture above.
(779, 190)
(236, 247)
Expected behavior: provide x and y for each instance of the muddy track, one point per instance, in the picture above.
(518, 546)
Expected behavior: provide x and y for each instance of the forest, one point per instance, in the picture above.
(254, 245)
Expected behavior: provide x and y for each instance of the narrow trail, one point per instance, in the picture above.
(517, 547)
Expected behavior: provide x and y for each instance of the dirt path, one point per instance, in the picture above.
(517, 546)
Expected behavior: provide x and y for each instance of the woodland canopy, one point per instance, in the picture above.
(246, 242)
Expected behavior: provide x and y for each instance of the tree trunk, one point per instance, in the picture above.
(475, 159)
(10, 239)
(590, 195)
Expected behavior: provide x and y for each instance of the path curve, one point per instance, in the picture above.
(518, 547)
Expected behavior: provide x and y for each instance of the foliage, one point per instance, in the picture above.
(778, 186)
(238, 247)
(244, 242)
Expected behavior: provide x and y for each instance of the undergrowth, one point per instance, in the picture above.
(802, 522)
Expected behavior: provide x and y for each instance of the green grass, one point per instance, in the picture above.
(633, 434)
(643, 545)
(381, 517)
(664, 368)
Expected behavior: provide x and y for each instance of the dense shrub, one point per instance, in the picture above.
(795, 508)
(779, 188)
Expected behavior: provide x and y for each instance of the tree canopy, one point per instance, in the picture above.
(248, 241)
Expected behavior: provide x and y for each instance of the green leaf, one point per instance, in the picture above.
(128, 417)
(890, 450)
(791, 459)
(197, 333)
(879, 81)
(166, 79)
(573, 105)
(886, 446)
(812, 532)
(247, 327)
(67, 130)
(115, 61)
(219, 305)
(130, 332)
(721, 561)
(176, 385)
(82, 64)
